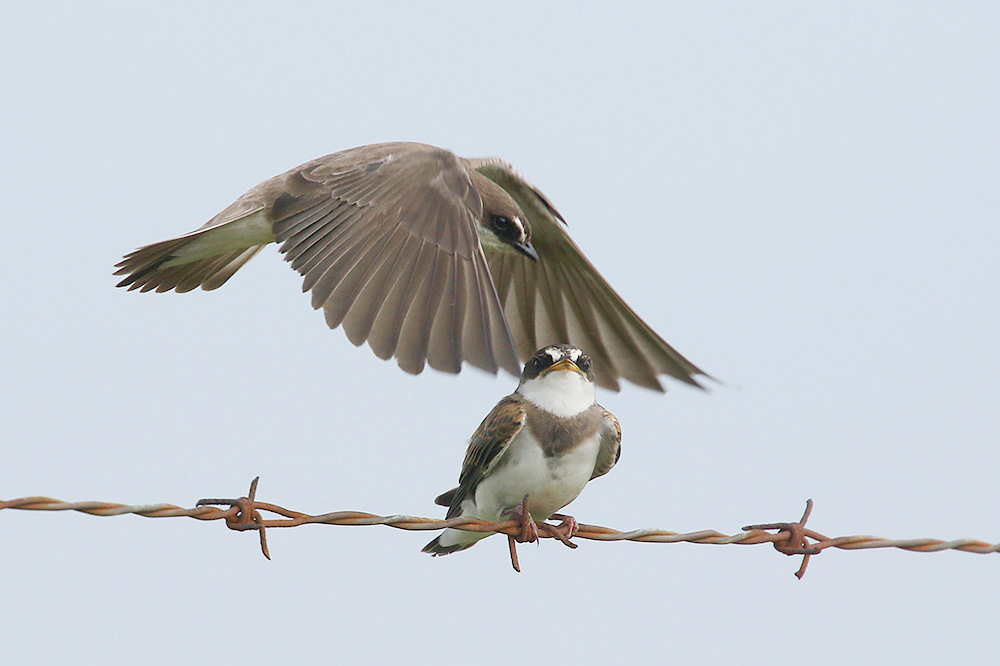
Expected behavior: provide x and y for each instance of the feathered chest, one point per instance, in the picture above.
(559, 435)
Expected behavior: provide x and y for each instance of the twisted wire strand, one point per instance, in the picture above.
(244, 514)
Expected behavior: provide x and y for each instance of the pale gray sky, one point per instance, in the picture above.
(802, 199)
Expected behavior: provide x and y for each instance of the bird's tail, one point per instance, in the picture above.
(452, 541)
(204, 258)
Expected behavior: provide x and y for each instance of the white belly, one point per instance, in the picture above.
(550, 483)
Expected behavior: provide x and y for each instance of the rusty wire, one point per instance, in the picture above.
(244, 514)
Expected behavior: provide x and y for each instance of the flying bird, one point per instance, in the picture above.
(429, 257)
(536, 450)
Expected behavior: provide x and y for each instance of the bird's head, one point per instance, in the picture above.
(503, 226)
(559, 379)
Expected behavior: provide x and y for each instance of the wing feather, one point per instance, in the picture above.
(414, 331)
(388, 323)
(487, 447)
(562, 298)
(351, 235)
(611, 445)
(339, 288)
(374, 294)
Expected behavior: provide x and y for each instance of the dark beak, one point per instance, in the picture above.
(527, 249)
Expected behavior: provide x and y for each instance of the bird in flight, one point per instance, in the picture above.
(534, 453)
(428, 257)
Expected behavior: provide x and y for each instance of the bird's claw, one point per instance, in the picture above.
(529, 529)
(568, 526)
(564, 530)
(528, 533)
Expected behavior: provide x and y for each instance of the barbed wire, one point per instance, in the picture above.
(243, 513)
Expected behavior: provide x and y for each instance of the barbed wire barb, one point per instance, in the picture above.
(247, 516)
(797, 542)
(245, 513)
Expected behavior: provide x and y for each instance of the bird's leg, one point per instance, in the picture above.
(529, 530)
(520, 513)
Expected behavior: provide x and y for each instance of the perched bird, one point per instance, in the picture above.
(427, 256)
(538, 448)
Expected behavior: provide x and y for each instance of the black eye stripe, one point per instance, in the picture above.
(543, 359)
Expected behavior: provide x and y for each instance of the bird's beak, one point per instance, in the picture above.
(527, 249)
(564, 364)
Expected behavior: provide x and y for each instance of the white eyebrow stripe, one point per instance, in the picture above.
(554, 353)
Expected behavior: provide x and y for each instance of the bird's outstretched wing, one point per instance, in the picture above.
(562, 298)
(385, 237)
(386, 241)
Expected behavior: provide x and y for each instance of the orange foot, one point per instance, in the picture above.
(529, 530)
(568, 526)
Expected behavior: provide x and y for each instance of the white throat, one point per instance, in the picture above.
(564, 393)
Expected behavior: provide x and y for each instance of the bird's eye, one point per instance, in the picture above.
(501, 223)
(583, 363)
(536, 363)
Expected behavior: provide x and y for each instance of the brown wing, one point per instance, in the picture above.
(562, 298)
(611, 445)
(486, 449)
(385, 238)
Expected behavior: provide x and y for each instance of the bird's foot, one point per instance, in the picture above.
(528, 533)
(568, 526)
(529, 529)
(564, 531)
